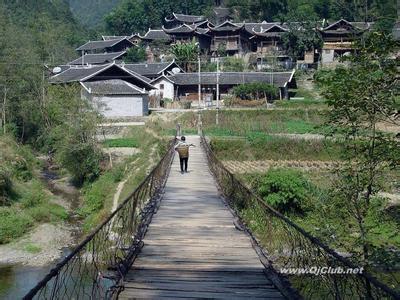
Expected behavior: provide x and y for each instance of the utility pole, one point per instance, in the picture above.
(217, 82)
(199, 82)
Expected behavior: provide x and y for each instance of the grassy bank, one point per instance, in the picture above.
(265, 147)
(98, 196)
(24, 200)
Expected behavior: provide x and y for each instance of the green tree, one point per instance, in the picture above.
(361, 96)
(186, 55)
(233, 64)
(255, 90)
(302, 35)
(137, 16)
(135, 54)
(72, 133)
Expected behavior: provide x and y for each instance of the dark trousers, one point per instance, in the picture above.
(183, 160)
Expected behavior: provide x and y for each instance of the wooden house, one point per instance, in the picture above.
(339, 38)
(233, 38)
(105, 46)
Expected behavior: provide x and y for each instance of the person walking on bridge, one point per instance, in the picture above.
(183, 150)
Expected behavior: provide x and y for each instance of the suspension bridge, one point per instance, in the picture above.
(182, 236)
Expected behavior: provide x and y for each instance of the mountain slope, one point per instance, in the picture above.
(91, 12)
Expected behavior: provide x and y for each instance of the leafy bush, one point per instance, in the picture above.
(135, 54)
(164, 101)
(82, 160)
(233, 64)
(97, 193)
(13, 224)
(255, 90)
(22, 169)
(48, 212)
(284, 189)
(35, 196)
(5, 185)
(122, 142)
(187, 104)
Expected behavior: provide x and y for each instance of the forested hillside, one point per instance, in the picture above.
(138, 15)
(92, 12)
(35, 36)
(32, 34)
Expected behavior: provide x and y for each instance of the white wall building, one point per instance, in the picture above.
(164, 88)
(116, 98)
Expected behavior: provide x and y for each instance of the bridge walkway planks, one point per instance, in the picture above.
(192, 248)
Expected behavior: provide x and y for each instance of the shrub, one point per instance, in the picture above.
(82, 160)
(13, 224)
(5, 185)
(165, 101)
(35, 196)
(284, 189)
(255, 90)
(186, 104)
(48, 212)
(22, 169)
(233, 64)
(122, 142)
(96, 194)
(135, 54)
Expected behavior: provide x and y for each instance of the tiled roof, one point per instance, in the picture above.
(74, 74)
(151, 68)
(187, 18)
(156, 34)
(80, 74)
(227, 26)
(355, 25)
(113, 37)
(180, 29)
(97, 59)
(112, 87)
(279, 79)
(93, 45)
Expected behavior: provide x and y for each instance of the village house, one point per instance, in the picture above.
(107, 46)
(187, 33)
(116, 98)
(114, 90)
(339, 38)
(99, 59)
(133, 38)
(154, 70)
(155, 35)
(184, 86)
(228, 37)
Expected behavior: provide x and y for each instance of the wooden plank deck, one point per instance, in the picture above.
(192, 249)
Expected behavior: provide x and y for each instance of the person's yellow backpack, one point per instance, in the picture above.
(183, 151)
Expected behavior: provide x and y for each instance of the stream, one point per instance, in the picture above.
(17, 279)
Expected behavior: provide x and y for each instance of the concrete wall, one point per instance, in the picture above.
(121, 105)
(167, 92)
(327, 55)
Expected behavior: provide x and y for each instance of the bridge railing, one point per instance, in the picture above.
(93, 270)
(291, 249)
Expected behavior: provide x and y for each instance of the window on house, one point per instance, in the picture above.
(161, 86)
